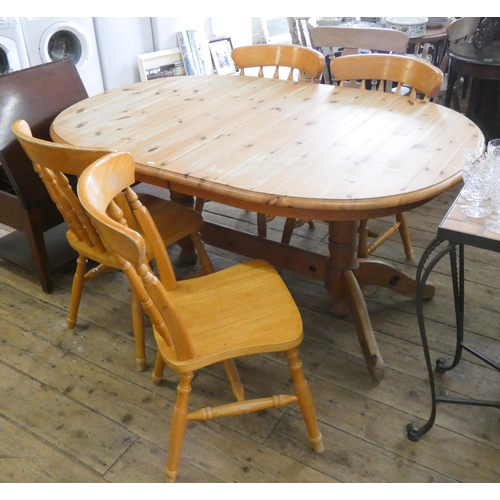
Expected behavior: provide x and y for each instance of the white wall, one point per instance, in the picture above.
(238, 28)
(120, 40)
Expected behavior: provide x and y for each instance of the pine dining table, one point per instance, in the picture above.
(291, 149)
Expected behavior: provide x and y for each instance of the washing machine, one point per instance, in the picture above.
(54, 38)
(13, 55)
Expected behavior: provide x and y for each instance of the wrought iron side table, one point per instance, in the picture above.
(455, 232)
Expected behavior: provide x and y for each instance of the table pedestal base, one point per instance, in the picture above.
(343, 273)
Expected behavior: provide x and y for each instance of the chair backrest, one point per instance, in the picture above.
(412, 71)
(298, 30)
(98, 187)
(462, 29)
(37, 95)
(274, 30)
(334, 39)
(302, 60)
(51, 162)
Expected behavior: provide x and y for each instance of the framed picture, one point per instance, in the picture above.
(160, 64)
(221, 55)
(195, 53)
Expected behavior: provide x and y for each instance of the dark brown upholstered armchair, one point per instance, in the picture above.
(37, 95)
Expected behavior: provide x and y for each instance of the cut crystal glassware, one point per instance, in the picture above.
(477, 175)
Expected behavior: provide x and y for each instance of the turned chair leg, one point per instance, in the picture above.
(178, 426)
(234, 377)
(290, 224)
(405, 235)
(205, 261)
(76, 291)
(77, 287)
(262, 225)
(304, 399)
(199, 204)
(288, 230)
(138, 327)
(158, 370)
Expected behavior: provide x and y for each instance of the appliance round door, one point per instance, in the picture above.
(9, 59)
(64, 41)
(4, 61)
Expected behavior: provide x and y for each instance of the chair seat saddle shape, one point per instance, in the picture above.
(290, 62)
(382, 70)
(175, 223)
(242, 310)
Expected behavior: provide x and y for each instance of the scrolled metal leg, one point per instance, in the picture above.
(414, 432)
(457, 275)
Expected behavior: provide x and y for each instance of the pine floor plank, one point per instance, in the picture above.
(74, 408)
(27, 458)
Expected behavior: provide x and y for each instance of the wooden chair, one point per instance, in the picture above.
(421, 77)
(51, 162)
(290, 62)
(344, 40)
(460, 30)
(245, 309)
(38, 95)
(298, 30)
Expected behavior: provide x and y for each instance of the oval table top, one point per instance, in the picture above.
(302, 150)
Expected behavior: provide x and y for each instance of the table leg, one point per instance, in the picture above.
(381, 273)
(452, 77)
(344, 274)
(340, 280)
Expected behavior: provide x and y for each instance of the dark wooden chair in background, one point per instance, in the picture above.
(38, 95)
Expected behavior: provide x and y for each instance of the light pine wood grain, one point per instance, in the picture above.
(362, 422)
(293, 149)
(223, 138)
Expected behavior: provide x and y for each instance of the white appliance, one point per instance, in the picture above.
(13, 55)
(119, 41)
(54, 38)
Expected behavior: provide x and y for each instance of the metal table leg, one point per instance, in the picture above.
(457, 273)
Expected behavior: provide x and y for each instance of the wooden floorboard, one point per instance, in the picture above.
(74, 409)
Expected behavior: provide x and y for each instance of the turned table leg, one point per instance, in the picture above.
(341, 281)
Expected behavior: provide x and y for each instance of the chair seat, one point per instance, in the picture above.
(244, 310)
(231, 302)
(92, 253)
(174, 221)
